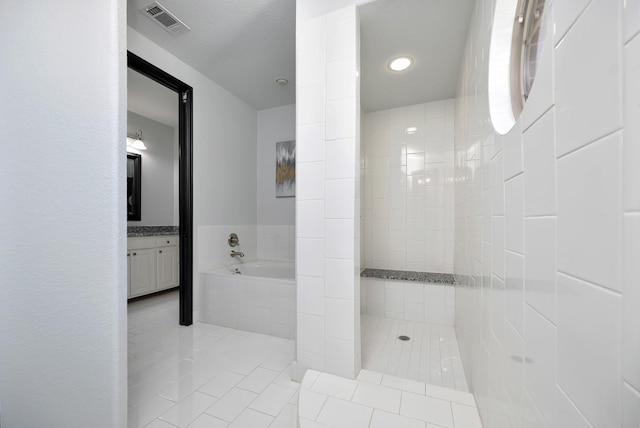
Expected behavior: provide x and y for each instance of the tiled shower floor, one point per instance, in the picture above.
(431, 356)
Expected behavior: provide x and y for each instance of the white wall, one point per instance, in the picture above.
(274, 124)
(276, 216)
(548, 225)
(408, 188)
(328, 192)
(62, 228)
(224, 161)
(157, 165)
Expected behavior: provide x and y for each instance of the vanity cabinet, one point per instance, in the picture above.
(167, 262)
(152, 264)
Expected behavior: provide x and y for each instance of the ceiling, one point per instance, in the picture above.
(151, 99)
(432, 32)
(244, 45)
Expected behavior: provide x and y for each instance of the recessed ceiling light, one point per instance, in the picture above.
(282, 81)
(401, 63)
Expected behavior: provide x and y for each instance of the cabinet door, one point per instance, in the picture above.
(128, 273)
(167, 267)
(143, 271)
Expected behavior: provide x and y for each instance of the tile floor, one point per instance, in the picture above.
(205, 375)
(212, 376)
(375, 400)
(431, 356)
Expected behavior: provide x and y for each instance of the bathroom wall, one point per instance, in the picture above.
(224, 162)
(408, 188)
(157, 166)
(548, 225)
(63, 315)
(328, 190)
(276, 216)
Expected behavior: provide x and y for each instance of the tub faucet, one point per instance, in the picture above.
(234, 253)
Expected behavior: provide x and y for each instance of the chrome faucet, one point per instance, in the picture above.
(234, 253)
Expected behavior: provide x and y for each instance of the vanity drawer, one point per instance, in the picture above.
(167, 241)
(141, 243)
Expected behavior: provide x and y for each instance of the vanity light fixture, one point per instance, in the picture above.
(136, 142)
(401, 63)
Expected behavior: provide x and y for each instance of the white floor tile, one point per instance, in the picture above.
(450, 395)
(251, 418)
(183, 413)
(369, 376)
(383, 419)
(232, 404)
(157, 423)
(431, 356)
(273, 399)
(183, 387)
(287, 418)
(258, 380)
(426, 409)
(403, 384)
(207, 421)
(466, 416)
(310, 406)
(210, 358)
(147, 411)
(221, 384)
(378, 397)
(335, 386)
(344, 414)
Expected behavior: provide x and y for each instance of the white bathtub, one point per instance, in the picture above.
(257, 296)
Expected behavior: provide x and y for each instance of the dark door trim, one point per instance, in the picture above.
(185, 150)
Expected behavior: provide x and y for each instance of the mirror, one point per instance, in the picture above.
(133, 187)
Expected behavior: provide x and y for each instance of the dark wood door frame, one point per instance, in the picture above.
(185, 153)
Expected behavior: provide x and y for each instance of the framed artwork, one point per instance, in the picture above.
(285, 169)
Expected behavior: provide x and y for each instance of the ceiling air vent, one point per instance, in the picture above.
(167, 20)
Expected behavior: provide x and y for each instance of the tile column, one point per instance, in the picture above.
(328, 193)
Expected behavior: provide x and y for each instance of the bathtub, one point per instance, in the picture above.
(258, 296)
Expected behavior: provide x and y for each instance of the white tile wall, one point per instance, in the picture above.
(328, 188)
(546, 226)
(278, 242)
(259, 305)
(408, 187)
(213, 247)
(407, 300)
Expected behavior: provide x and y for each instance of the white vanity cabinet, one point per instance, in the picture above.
(152, 264)
(167, 262)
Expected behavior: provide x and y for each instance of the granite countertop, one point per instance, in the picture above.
(405, 275)
(136, 231)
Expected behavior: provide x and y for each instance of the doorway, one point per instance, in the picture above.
(184, 93)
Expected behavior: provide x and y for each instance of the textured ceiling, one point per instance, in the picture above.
(244, 45)
(432, 32)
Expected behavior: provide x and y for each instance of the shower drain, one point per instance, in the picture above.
(404, 338)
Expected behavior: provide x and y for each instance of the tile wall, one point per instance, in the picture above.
(328, 193)
(262, 305)
(408, 300)
(407, 165)
(276, 243)
(213, 247)
(548, 224)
